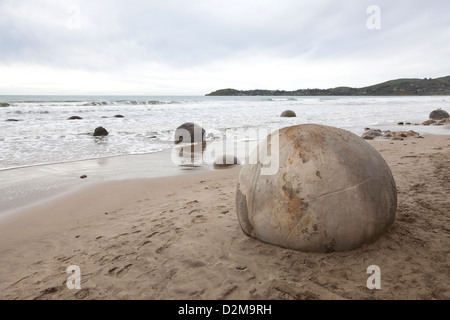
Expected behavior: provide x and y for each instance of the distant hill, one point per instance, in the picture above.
(399, 87)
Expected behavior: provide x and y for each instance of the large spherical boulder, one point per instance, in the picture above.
(189, 132)
(288, 113)
(439, 114)
(332, 191)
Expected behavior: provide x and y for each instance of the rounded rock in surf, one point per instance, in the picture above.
(439, 114)
(100, 131)
(288, 114)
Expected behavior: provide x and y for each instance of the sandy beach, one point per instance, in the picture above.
(178, 237)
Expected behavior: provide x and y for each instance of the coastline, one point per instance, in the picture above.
(178, 237)
(24, 186)
(396, 87)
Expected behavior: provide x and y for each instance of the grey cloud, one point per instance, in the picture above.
(117, 34)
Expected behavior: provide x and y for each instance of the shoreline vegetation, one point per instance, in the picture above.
(398, 87)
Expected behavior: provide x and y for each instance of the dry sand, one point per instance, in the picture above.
(179, 238)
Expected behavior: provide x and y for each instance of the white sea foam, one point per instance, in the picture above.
(44, 135)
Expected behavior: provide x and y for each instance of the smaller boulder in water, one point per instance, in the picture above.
(439, 114)
(75, 118)
(189, 132)
(100, 131)
(288, 114)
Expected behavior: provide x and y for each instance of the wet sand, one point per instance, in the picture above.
(178, 238)
(27, 186)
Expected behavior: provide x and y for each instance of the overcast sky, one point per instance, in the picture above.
(197, 46)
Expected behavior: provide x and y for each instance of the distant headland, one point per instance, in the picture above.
(399, 87)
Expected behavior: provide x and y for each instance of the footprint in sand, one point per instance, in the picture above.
(105, 259)
(152, 234)
(143, 244)
(124, 271)
(166, 245)
(120, 235)
(120, 272)
(227, 291)
(198, 219)
(160, 249)
(190, 263)
(83, 293)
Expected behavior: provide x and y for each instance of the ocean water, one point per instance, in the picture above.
(43, 134)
